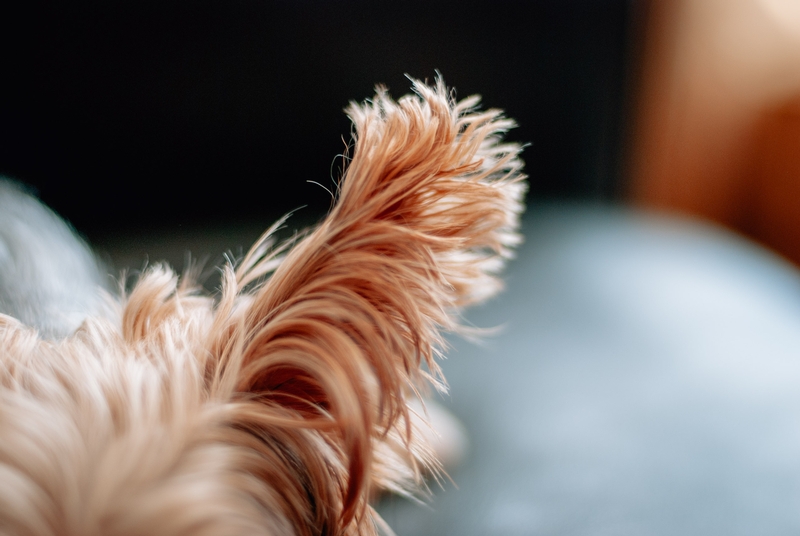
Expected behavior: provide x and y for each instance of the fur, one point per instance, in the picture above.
(280, 405)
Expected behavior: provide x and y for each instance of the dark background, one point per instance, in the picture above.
(133, 114)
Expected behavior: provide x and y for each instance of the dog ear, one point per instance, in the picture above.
(320, 356)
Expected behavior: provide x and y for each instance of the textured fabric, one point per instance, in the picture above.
(49, 279)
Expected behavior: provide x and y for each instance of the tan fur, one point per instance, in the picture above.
(280, 406)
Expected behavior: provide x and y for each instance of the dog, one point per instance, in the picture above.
(280, 405)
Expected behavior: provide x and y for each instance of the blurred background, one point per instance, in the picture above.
(133, 115)
(124, 114)
(646, 381)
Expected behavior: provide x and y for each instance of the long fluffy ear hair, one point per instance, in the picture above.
(322, 354)
(281, 407)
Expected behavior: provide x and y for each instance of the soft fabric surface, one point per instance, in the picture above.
(646, 383)
(48, 276)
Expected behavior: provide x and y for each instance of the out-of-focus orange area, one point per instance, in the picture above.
(717, 128)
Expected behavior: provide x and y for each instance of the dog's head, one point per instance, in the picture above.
(278, 406)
